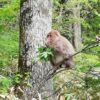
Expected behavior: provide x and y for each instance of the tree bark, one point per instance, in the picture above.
(35, 21)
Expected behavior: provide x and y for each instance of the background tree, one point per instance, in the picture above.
(69, 20)
(76, 27)
(35, 22)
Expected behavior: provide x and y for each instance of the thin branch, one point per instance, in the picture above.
(89, 46)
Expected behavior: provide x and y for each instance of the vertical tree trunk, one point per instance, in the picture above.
(77, 40)
(35, 21)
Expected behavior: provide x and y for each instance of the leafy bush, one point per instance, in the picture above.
(84, 61)
(5, 83)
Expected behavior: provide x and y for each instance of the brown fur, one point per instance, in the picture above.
(63, 49)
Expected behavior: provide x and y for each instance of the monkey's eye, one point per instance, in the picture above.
(49, 35)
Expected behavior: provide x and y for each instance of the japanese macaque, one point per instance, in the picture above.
(63, 50)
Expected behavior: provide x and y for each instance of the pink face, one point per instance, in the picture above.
(49, 38)
(52, 37)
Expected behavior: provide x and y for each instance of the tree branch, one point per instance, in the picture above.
(89, 46)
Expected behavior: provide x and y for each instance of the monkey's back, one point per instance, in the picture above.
(66, 46)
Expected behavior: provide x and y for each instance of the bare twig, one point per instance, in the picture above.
(89, 46)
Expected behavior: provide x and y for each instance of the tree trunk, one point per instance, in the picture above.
(35, 21)
(77, 40)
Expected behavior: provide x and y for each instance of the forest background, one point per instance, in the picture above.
(62, 19)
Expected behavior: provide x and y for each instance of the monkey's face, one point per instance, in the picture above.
(52, 36)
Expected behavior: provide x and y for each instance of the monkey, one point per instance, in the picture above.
(63, 50)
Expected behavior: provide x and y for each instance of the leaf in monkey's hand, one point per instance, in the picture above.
(45, 53)
(41, 49)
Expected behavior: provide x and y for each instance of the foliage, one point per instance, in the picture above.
(8, 41)
(5, 83)
(17, 78)
(77, 86)
(85, 61)
(44, 53)
(8, 32)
